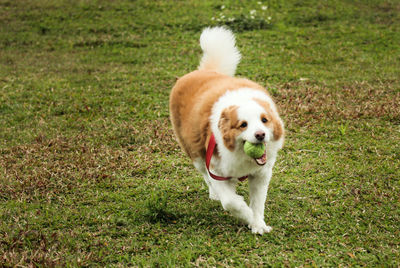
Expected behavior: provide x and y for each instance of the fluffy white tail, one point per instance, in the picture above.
(219, 51)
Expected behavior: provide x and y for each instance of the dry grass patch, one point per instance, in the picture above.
(51, 166)
(54, 166)
(302, 102)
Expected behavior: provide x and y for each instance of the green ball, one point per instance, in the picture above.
(254, 150)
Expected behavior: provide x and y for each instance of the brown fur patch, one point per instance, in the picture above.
(191, 102)
(272, 118)
(229, 125)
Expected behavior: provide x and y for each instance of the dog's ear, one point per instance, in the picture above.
(278, 129)
(226, 124)
(273, 120)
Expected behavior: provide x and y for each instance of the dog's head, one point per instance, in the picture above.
(252, 119)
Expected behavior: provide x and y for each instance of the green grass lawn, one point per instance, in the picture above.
(90, 173)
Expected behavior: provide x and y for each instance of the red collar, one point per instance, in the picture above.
(209, 153)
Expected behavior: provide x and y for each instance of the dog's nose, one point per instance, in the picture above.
(260, 135)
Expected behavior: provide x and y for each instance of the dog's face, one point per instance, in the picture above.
(254, 121)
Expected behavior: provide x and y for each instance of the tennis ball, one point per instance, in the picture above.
(254, 150)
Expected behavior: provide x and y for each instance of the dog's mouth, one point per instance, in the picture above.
(262, 160)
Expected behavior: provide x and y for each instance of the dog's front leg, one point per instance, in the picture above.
(231, 201)
(201, 167)
(258, 194)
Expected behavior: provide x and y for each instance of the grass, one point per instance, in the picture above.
(90, 174)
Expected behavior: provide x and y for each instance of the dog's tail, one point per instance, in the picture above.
(219, 51)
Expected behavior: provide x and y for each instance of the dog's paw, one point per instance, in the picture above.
(260, 227)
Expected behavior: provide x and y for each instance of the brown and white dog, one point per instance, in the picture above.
(210, 103)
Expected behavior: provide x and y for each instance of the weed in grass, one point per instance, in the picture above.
(242, 19)
(343, 128)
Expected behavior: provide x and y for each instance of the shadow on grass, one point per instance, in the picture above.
(157, 210)
(206, 218)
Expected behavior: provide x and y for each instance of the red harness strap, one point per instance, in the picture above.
(209, 154)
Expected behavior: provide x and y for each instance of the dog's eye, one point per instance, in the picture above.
(243, 125)
(264, 120)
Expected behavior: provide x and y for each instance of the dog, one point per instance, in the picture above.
(213, 114)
